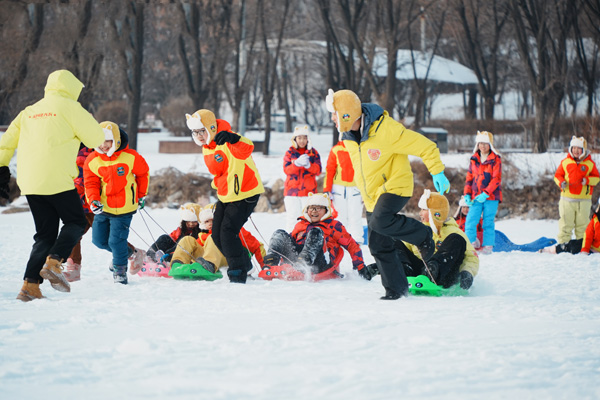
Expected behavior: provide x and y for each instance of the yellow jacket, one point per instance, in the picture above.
(380, 160)
(47, 136)
(470, 262)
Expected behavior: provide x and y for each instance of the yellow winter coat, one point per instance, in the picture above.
(380, 160)
(47, 136)
(471, 260)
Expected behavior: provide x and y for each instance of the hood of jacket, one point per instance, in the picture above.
(63, 83)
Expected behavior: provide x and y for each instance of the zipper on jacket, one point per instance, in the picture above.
(132, 195)
(236, 184)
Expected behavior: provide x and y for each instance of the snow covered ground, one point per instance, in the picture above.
(529, 329)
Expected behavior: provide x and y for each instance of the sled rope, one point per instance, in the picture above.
(166, 233)
(266, 245)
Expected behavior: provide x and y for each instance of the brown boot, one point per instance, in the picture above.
(53, 272)
(30, 291)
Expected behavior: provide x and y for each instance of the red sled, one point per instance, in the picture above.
(152, 269)
(288, 273)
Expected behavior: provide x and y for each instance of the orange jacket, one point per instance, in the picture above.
(591, 238)
(574, 173)
(117, 181)
(236, 175)
(339, 170)
(248, 241)
(300, 181)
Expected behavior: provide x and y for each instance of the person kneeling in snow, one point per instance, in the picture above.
(316, 241)
(454, 260)
(204, 251)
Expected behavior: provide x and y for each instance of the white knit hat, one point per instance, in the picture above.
(301, 131)
(206, 214)
(317, 199)
(189, 212)
(579, 142)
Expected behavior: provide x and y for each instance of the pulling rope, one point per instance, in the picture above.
(166, 233)
(266, 245)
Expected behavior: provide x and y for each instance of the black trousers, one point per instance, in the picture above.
(229, 218)
(387, 226)
(449, 256)
(282, 245)
(48, 211)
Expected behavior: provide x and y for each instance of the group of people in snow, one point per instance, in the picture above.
(369, 165)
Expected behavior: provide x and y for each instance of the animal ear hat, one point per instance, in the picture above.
(438, 207)
(301, 131)
(346, 104)
(318, 199)
(202, 119)
(579, 142)
(111, 132)
(485, 137)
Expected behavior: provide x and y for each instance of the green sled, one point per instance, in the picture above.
(422, 286)
(193, 271)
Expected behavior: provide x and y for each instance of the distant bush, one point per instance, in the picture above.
(173, 113)
(114, 111)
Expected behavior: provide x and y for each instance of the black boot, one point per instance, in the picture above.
(313, 245)
(432, 270)
(427, 247)
(391, 295)
(271, 259)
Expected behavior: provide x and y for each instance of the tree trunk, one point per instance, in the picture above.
(136, 75)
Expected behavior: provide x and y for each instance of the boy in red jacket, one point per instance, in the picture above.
(116, 184)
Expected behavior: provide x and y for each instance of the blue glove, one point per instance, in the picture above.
(483, 196)
(441, 183)
(468, 200)
(96, 207)
(141, 202)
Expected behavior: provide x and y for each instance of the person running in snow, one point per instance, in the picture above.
(316, 242)
(116, 184)
(379, 148)
(455, 259)
(228, 157)
(302, 166)
(46, 136)
(483, 192)
(204, 251)
(576, 177)
(345, 196)
(162, 249)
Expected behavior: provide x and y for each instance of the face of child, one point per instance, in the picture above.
(484, 148)
(577, 151)
(105, 147)
(424, 214)
(316, 213)
(201, 135)
(334, 119)
(464, 210)
(208, 224)
(301, 141)
(191, 224)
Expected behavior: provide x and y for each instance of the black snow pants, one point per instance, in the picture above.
(283, 247)
(229, 218)
(48, 211)
(387, 226)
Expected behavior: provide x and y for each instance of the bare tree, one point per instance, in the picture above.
(587, 39)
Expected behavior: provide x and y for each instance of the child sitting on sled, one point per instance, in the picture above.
(454, 260)
(204, 251)
(316, 242)
(116, 184)
(165, 245)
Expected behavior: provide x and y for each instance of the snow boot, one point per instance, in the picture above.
(52, 271)
(120, 274)
(207, 265)
(137, 261)
(391, 295)
(30, 291)
(271, 259)
(431, 270)
(312, 246)
(485, 250)
(73, 272)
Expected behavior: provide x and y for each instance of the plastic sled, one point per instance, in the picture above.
(152, 269)
(503, 243)
(422, 286)
(287, 272)
(193, 271)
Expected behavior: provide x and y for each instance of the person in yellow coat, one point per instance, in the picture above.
(379, 147)
(47, 136)
(454, 260)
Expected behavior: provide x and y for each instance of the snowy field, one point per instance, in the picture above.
(529, 328)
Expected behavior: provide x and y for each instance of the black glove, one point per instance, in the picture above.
(226, 137)
(466, 279)
(4, 180)
(368, 272)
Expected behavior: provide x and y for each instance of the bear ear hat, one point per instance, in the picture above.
(111, 132)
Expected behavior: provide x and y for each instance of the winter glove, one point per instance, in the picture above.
(366, 272)
(482, 197)
(226, 137)
(141, 202)
(584, 181)
(466, 279)
(563, 185)
(468, 200)
(4, 180)
(96, 207)
(303, 161)
(441, 183)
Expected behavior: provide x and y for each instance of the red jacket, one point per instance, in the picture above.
(574, 172)
(462, 218)
(248, 241)
(84, 152)
(339, 170)
(335, 237)
(486, 177)
(300, 181)
(591, 238)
